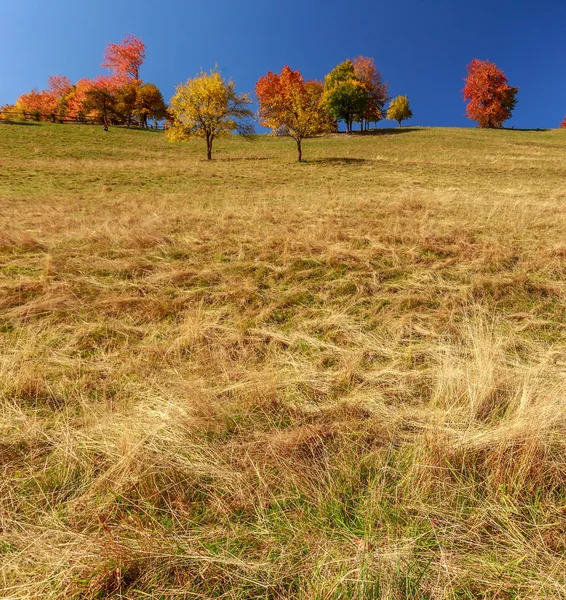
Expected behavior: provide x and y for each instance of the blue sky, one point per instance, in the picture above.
(421, 47)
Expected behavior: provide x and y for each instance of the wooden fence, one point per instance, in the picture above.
(53, 118)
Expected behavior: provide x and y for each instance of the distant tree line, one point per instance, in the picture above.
(208, 106)
(120, 97)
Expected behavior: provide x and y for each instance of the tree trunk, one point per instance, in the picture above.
(209, 148)
(299, 151)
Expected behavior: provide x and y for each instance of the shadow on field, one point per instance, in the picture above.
(145, 129)
(341, 161)
(18, 123)
(513, 129)
(388, 131)
(242, 158)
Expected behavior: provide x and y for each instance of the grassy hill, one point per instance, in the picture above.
(253, 378)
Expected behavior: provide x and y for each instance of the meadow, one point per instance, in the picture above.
(252, 378)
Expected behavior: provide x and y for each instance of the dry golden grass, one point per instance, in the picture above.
(251, 378)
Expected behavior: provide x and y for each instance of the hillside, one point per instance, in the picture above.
(254, 378)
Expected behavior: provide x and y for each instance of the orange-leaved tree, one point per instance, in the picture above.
(126, 58)
(491, 98)
(77, 98)
(291, 106)
(49, 103)
(366, 71)
(563, 124)
(38, 104)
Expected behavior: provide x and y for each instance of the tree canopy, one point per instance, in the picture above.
(366, 71)
(399, 109)
(345, 94)
(491, 99)
(290, 106)
(208, 107)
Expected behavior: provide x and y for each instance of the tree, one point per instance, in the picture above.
(399, 109)
(39, 104)
(366, 71)
(59, 88)
(126, 101)
(126, 58)
(101, 98)
(77, 98)
(50, 103)
(208, 107)
(491, 99)
(59, 85)
(563, 124)
(345, 95)
(290, 106)
(9, 112)
(149, 104)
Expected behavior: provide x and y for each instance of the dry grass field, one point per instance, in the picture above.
(256, 379)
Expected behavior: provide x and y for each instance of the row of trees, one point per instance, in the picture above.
(120, 97)
(207, 106)
(353, 92)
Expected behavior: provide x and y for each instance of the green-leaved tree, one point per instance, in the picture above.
(345, 95)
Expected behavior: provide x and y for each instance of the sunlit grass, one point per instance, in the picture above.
(253, 378)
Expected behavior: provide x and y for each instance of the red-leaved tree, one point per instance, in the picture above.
(563, 124)
(126, 58)
(491, 99)
(59, 86)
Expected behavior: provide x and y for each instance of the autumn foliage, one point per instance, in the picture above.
(126, 58)
(354, 92)
(117, 97)
(345, 95)
(563, 124)
(366, 71)
(208, 107)
(291, 106)
(399, 109)
(491, 99)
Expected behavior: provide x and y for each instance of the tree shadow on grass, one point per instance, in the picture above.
(341, 161)
(387, 131)
(147, 129)
(513, 129)
(241, 158)
(19, 123)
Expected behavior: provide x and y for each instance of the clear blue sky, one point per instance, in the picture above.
(421, 47)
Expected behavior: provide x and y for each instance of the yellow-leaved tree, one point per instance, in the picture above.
(399, 109)
(208, 107)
